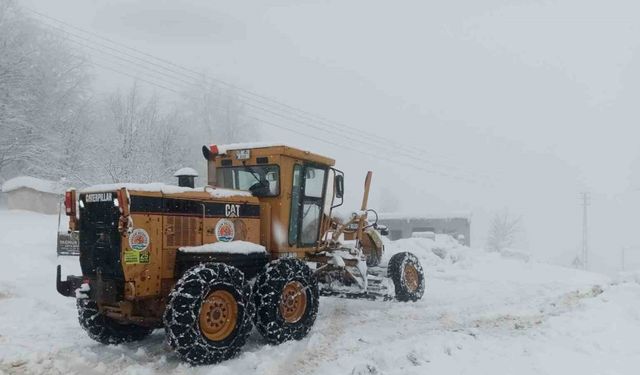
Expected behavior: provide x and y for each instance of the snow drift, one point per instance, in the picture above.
(482, 313)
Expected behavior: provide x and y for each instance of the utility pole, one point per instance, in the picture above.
(586, 202)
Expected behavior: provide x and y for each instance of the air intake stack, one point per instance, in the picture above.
(186, 177)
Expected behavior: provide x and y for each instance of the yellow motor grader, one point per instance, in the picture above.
(256, 247)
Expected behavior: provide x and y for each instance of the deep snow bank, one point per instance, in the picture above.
(482, 313)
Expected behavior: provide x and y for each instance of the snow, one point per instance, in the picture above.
(38, 184)
(186, 171)
(233, 247)
(428, 234)
(151, 187)
(82, 292)
(224, 149)
(482, 313)
(418, 216)
(215, 192)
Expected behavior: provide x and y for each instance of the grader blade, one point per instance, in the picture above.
(353, 295)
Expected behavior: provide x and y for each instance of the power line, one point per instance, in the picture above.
(341, 146)
(400, 149)
(179, 81)
(279, 126)
(241, 91)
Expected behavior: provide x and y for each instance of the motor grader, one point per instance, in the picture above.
(256, 247)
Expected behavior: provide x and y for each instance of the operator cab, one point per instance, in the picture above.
(298, 188)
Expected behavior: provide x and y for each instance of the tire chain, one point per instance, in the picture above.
(266, 298)
(104, 329)
(181, 316)
(396, 273)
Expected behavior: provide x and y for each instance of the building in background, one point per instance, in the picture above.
(33, 194)
(400, 225)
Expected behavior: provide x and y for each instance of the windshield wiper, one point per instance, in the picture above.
(253, 172)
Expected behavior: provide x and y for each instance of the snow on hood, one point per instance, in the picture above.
(233, 247)
(152, 187)
(38, 184)
(215, 192)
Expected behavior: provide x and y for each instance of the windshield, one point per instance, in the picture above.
(251, 178)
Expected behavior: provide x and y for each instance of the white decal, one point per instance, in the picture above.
(232, 210)
(139, 240)
(98, 197)
(225, 230)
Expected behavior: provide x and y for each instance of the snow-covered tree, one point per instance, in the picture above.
(138, 141)
(503, 231)
(43, 97)
(218, 112)
(53, 126)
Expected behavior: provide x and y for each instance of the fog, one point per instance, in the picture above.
(484, 106)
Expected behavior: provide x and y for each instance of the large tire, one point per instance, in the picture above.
(106, 330)
(286, 297)
(407, 275)
(208, 316)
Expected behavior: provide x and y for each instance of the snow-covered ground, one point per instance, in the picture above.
(482, 314)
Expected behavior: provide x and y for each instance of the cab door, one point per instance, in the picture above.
(307, 202)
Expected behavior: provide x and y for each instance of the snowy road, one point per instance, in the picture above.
(482, 314)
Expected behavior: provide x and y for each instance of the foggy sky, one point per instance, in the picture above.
(533, 101)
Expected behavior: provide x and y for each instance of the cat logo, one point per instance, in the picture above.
(232, 210)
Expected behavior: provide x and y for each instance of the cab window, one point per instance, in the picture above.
(295, 205)
(264, 179)
(312, 205)
(307, 199)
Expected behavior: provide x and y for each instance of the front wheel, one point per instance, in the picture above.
(208, 317)
(407, 275)
(286, 299)
(105, 330)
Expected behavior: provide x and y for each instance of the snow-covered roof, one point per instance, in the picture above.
(186, 171)
(159, 187)
(152, 187)
(223, 149)
(418, 216)
(233, 247)
(37, 184)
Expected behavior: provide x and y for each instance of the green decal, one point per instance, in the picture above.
(131, 257)
(144, 257)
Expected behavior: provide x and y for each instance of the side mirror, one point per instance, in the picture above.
(339, 186)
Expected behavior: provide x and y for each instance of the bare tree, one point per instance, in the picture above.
(137, 140)
(219, 113)
(52, 127)
(503, 231)
(43, 97)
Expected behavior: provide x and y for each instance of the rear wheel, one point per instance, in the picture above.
(106, 330)
(407, 275)
(208, 317)
(286, 299)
